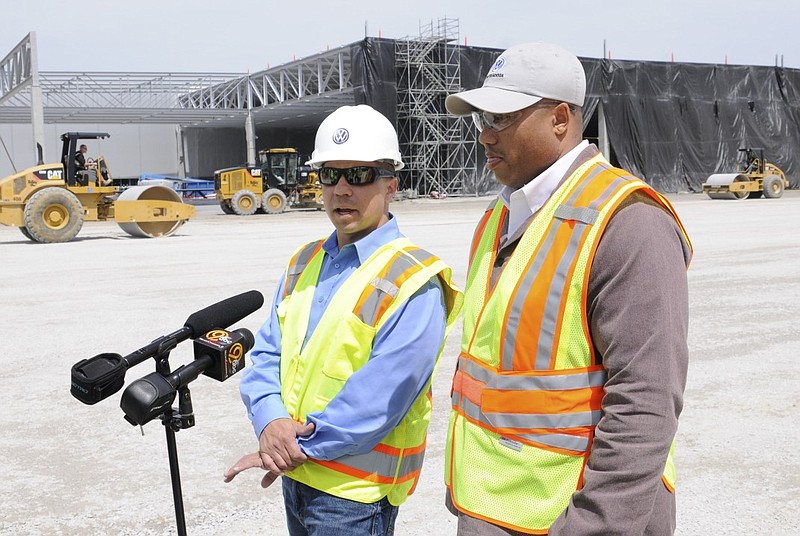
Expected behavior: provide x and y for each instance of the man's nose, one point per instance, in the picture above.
(342, 187)
(487, 136)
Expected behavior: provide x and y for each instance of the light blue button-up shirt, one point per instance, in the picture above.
(377, 396)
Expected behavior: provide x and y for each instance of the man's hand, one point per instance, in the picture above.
(278, 447)
(250, 461)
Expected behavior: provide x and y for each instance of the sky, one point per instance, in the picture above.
(239, 36)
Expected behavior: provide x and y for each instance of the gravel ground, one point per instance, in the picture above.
(68, 468)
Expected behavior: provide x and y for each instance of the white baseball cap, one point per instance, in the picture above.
(522, 76)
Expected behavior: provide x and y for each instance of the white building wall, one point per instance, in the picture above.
(130, 151)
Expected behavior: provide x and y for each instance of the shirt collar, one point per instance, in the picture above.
(524, 202)
(368, 245)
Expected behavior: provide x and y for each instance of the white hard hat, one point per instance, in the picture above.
(356, 133)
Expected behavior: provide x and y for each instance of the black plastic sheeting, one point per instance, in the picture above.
(374, 76)
(671, 124)
(674, 124)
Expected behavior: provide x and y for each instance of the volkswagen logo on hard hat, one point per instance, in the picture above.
(340, 136)
(498, 64)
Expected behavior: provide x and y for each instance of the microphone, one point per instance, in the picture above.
(223, 351)
(219, 315)
(218, 354)
(99, 377)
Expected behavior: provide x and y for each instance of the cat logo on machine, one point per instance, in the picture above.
(51, 174)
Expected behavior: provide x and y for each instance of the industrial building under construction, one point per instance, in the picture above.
(673, 124)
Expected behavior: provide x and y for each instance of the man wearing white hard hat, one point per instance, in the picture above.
(574, 352)
(338, 390)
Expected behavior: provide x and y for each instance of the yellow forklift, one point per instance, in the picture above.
(280, 180)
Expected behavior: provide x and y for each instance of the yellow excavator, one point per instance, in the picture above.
(754, 176)
(50, 202)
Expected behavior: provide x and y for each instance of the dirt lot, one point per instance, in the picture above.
(68, 468)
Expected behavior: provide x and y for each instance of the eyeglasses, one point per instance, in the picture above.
(498, 122)
(355, 176)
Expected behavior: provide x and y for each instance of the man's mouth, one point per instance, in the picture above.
(492, 160)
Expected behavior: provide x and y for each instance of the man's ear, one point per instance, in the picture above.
(391, 187)
(561, 118)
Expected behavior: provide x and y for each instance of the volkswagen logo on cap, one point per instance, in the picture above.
(340, 136)
(498, 64)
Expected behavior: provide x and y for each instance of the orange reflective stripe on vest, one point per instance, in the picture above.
(479, 231)
(381, 464)
(533, 316)
(535, 408)
(298, 263)
(378, 296)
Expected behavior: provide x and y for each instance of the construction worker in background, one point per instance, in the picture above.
(338, 393)
(574, 351)
(80, 160)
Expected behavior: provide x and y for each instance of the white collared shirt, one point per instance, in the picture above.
(524, 202)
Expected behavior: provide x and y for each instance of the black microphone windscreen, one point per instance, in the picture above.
(223, 314)
(249, 339)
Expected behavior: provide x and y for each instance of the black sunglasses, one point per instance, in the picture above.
(355, 176)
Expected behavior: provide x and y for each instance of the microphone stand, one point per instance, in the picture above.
(174, 421)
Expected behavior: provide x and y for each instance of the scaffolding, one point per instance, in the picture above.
(440, 149)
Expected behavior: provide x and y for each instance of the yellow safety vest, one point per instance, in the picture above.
(528, 387)
(340, 345)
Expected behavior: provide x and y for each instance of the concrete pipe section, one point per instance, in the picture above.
(151, 211)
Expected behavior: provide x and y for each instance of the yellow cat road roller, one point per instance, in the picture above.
(754, 176)
(50, 202)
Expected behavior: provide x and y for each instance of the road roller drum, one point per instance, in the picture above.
(723, 186)
(151, 211)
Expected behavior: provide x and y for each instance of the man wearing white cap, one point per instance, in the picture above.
(573, 363)
(338, 390)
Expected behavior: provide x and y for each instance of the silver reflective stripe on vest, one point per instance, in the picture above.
(531, 421)
(420, 254)
(386, 285)
(545, 420)
(557, 291)
(554, 382)
(382, 465)
(512, 323)
(564, 441)
(301, 261)
(582, 214)
(411, 463)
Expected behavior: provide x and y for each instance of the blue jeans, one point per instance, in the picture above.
(310, 512)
